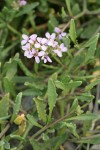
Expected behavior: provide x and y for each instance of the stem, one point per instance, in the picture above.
(50, 125)
(4, 131)
(13, 30)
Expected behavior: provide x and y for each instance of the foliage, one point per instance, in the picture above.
(53, 105)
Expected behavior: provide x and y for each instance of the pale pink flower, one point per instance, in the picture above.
(22, 2)
(26, 47)
(60, 49)
(25, 39)
(50, 36)
(32, 38)
(60, 33)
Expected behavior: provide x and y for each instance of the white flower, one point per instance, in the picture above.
(60, 33)
(26, 47)
(28, 54)
(45, 56)
(22, 2)
(52, 36)
(32, 38)
(25, 39)
(37, 45)
(60, 49)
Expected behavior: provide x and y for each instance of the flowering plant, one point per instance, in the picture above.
(39, 47)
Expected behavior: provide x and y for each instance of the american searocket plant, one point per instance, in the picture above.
(39, 47)
(50, 98)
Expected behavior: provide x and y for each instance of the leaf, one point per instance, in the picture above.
(52, 95)
(95, 139)
(17, 137)
(60, 85)
(16, 106)
(69, 7)
(92, 48)
(72, 128)
(72, 31)
(51, 144)
(9, 87)
(91, 85)
(85, 117)
(92, 40)
(33, 121)
(73, 84)
(27, 9)
(41, 108)
(85, 97)
(4, 107)
(74, 105)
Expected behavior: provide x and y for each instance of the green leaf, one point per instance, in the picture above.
(92, 40)
(95, 139)
(91, 85)
(60, 85)
(4, 106)
(85, 117)
(74, 105)
(16, 106)
(72, 31)
(33, 121)
(92, 48)
(85, 97)
(27, 9)
(17, 137)
(41, 108)
(69, 7)
(51, 144)
(72, 128)
(9, 87)
(51, 96)
(73, 84)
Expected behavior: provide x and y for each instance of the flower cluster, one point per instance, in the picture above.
(19, 3)
(41, 48)
(22, 2)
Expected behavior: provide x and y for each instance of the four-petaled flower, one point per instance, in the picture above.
(60, 33)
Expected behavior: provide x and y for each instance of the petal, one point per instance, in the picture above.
(60, 36)
(63, 34)
(37, 45)
(33, 36)
(24, 48)
(31, 41)
(50, 42)
(47, 35)
(57, 30)
(41, 53)
(44, 41)
(53, 35)
(48, 58)
(59, 53)
(62, 45)
(44, 47)
(27, 54)
(25, 37)
(33, 51)
(39, 39)
(64, 49)
(37, 59)
(23, 42)
(28, 45)
(45, 60)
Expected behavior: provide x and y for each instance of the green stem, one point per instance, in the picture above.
(4, 130)
(13, 30)
(50, 125)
